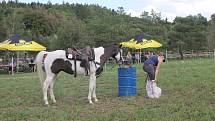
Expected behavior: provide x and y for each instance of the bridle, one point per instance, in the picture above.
(120, 61)
(120, 54)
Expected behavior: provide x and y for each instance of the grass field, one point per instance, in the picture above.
(188, 94)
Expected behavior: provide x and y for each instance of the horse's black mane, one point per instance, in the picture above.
(112, 45)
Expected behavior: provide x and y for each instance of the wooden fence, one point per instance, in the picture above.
(190, 54)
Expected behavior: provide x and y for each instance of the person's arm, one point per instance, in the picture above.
(158, 67)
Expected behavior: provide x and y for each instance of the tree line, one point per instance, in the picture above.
(59, 26)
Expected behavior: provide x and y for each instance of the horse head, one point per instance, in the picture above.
(117, 53)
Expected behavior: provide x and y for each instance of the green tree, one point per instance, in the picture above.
(40, 22)
(210, 33)
(188, 33)
(121, 10)
(72, 33)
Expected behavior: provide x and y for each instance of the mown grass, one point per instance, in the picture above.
(188, 94)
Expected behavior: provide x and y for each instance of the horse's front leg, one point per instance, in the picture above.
(91, 87)
(94, 91)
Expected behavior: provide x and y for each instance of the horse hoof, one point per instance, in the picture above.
(46, 105)
(54, 101)
(90, 102)
(96, 100)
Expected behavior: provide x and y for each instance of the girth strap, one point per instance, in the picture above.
(75, 73)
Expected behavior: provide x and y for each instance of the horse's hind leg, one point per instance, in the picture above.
(46, 84)
(51, 90)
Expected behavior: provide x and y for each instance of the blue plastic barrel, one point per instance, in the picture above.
(127, 81)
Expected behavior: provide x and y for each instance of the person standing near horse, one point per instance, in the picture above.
(152, 67)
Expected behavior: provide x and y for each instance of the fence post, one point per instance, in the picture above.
(192, 55)
(214, 54)
(166, 55)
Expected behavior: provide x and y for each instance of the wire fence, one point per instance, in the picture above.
(193, 54)
(169, 55)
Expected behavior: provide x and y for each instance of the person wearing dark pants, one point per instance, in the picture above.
(152, 67)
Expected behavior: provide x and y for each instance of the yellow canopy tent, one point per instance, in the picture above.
(22, 45)
(129, 44)
(148, 44)
(16, 43)
(3, 43)
(139, 43)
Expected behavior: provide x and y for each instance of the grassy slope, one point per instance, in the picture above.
(188, 89)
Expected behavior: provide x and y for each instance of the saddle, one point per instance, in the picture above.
(84, 55)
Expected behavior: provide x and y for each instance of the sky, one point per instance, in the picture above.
(169, 8)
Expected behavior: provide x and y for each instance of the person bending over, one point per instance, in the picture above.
(152, 67)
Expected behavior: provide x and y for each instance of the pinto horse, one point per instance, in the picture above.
(49, 64)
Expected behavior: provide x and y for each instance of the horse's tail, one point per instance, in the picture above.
(40, 69)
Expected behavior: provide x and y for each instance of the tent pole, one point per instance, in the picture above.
(140, 55)
(17, 61)
(12, 65)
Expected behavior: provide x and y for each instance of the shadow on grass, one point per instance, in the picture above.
(3, 72)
